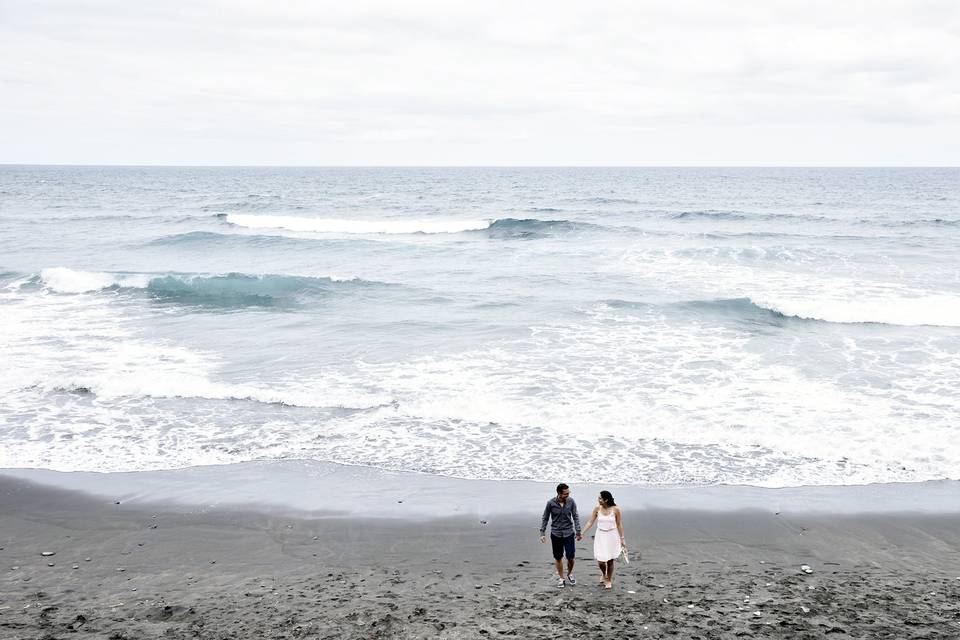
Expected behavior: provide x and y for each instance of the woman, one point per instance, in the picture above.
(609, 537)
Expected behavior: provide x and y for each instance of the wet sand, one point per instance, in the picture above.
(165, 569)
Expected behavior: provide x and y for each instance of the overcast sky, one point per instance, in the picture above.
(405, 82)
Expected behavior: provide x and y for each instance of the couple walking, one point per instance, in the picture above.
(565, 532)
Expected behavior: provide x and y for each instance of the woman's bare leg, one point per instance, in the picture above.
(609, 572)
(603, 571)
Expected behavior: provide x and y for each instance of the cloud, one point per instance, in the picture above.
(476, 83)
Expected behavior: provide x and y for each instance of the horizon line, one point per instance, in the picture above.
(477, 166)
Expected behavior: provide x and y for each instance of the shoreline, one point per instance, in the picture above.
(303, 486)
(197, 568)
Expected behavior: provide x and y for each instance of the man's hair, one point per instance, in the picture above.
(561, 488)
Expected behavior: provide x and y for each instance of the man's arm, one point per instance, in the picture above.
(543, 523)
(576, 517)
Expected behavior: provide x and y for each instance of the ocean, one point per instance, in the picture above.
(647, 326)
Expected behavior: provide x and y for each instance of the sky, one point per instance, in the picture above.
(637, 83)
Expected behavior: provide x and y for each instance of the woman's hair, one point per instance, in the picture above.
(608, 498)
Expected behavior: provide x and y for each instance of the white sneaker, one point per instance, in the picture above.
(572, 579)
(560, 583)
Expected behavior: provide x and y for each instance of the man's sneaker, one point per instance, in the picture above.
(571, 578)
(560, 583)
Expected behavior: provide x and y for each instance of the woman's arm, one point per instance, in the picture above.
(616, 512)
(593, 516)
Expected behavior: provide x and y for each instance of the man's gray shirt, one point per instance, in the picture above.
(565, 519)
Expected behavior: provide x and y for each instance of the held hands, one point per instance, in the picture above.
(543, 539)
(579, 537)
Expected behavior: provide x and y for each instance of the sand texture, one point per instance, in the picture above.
(137, 571)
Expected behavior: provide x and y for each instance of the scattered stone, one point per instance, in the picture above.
(757, 614)
(14, 568)
(121, 569)
(805, 609)
(483, 522)
(213, 562)
(76, 566)
(51, 564)
(117, 502)
(133, 589)
(316, 537)
(478, 586)
(806, 568)
(689, 606)
(47, 554)
(399, 501)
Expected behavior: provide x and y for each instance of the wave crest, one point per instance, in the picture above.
(229, 288)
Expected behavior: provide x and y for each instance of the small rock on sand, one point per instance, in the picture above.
(806, 568)
(805, 609)
(48, 553)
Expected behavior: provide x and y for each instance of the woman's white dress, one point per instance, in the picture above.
(606, 542)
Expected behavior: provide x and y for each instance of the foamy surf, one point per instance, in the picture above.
(909, 311)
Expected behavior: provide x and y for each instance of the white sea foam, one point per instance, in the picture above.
(808, 293)
(63, 280)
(897, 308)
(355, 226)
(631, 396)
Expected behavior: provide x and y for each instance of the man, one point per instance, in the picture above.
(564, 531)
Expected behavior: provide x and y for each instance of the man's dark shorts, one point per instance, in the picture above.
(568, 544)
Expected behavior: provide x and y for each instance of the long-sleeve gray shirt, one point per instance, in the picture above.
(565, 519)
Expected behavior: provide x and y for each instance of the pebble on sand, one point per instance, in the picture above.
(48, 553)
(805, 609)
(806, 568)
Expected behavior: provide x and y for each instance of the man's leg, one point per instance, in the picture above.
(570, 547)
(557, 545)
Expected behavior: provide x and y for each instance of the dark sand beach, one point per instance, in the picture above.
(130, 568)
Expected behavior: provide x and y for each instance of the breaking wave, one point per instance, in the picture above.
(229, 288)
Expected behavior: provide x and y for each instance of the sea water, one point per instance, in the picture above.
(648, 326)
